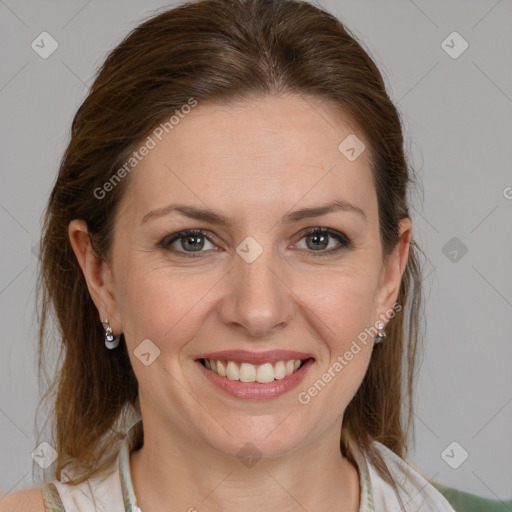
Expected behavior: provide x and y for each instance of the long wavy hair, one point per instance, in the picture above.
(214, 51)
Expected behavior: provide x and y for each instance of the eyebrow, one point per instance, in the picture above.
(207, 215)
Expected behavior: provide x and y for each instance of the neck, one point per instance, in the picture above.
(171, 471)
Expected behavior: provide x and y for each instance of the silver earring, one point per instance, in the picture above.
(111, 341)
(381, 334)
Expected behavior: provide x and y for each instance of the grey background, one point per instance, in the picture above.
(457, 117)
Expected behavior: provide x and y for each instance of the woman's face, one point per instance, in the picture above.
(255, 287)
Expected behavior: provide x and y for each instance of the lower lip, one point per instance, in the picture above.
(257, 390)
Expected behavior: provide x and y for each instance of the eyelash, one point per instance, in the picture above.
(345, 242)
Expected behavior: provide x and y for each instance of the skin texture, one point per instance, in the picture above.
(27, 500)
(252, 162)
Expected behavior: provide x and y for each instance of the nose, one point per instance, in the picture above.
(258, 301)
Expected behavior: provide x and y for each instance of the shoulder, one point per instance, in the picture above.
(28, 500)
(416, 492)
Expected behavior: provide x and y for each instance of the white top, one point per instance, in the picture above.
(115, 492)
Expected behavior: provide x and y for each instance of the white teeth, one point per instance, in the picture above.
(265, 373)
(279, 370)
(248, 372)
(232, 372)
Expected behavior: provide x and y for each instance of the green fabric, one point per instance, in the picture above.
(466, 502)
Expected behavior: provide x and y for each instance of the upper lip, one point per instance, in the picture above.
(256, 358)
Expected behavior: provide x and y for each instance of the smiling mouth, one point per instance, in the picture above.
(247, 372)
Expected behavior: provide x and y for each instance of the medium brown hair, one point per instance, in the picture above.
(214, 51)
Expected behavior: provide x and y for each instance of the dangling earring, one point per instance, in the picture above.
(111, 341)
(381, 334)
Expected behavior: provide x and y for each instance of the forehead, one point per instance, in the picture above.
(264, 153)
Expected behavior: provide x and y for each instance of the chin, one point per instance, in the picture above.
(265, 435)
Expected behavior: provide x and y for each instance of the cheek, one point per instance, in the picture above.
(169, 306)
(341, 308)
(343, 300)
(163, 305)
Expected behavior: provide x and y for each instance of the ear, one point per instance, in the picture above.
(97, 273)
(393, 269)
